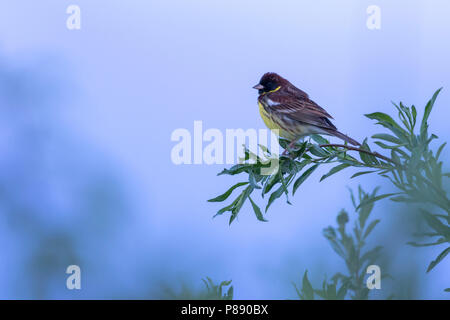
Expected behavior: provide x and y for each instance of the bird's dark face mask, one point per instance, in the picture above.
(266, 86)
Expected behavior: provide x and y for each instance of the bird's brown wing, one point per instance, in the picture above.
(301, 109)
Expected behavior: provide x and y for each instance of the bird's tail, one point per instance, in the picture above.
(342, 136)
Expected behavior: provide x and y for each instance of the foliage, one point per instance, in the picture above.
(412, 167)
(215, 291)
(211, 291)
(350, 247)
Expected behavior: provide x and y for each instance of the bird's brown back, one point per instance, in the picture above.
(295, 104)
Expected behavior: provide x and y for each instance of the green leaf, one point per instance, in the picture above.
(370, 227)
(307, 289)
(387, 137)
(383, 118)
(361, 173)
(435, 223)
(404, 199)
(352, 197)
(368, 158)
(342, 292)
(374, 199)
(387, 122)
(371, 255)
(224, 196)
(271, 182)
(300, 165)
(225, 283)
(240, 202)
(335, 170)
(331, 291)
(319, 139)
(385, 146)
(283, 143)
(402, 115)
(438, 153)
(252, 180)
(414, 114)
(299, 294)
(227, 208)
(275, 195)
(427, 111)
(318, 151)
(236, 169)
(439, 258)
(257, 211)
(395, 157)
(230, 293)
(415, 244)
(303, 177)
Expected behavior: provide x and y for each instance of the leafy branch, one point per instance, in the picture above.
(375, 154)
(412, 167)
(350, 247)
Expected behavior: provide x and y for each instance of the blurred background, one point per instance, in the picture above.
(86, 117)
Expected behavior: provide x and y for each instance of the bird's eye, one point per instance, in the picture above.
(270, 86)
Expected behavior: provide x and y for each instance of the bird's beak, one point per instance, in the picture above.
(258, 87)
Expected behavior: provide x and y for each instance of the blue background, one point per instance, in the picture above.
(86, 118)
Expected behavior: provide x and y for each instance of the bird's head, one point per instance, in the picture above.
(270, 82)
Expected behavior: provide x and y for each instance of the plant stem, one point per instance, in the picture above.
(375, 154)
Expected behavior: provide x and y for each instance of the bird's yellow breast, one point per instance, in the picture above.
(273, 124)
(267, 118)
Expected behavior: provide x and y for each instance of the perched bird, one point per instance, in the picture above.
(288, 109)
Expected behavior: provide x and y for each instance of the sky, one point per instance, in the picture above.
(99, 104)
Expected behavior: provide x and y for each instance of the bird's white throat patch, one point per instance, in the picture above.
(271, 103)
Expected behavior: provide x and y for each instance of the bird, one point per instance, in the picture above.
(289, 110)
